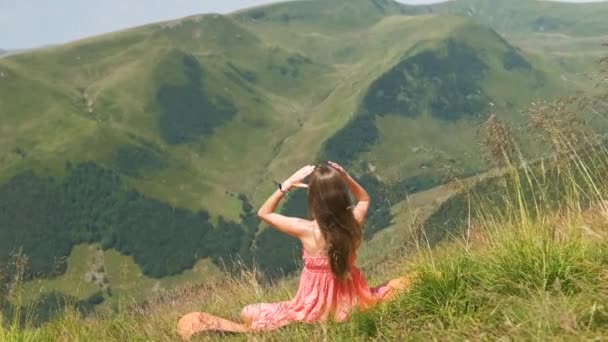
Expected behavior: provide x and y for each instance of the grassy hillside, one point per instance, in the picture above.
(158, 142)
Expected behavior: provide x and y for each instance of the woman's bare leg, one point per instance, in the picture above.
(250, 313)
(196, 322)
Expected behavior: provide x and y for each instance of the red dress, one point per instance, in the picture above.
(320, 296)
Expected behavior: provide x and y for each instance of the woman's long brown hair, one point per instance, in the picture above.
(329, 204)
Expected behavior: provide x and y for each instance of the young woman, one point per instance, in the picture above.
(331, 285)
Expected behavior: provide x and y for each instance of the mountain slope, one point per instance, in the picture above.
(114, 85)
(569, 33)
(390, 48)
(525, 16)
(447, 85)
(138, 112)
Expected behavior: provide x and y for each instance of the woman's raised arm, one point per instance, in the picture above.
(362, 197)
(293, 226)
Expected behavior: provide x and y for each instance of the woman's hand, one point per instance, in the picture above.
(338, 168)
(363, 200)
(297, 179)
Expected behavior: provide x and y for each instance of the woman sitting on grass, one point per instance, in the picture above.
(331, 286)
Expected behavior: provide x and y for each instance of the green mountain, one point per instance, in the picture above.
(158, 142)
(569, 33)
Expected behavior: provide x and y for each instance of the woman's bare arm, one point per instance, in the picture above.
(362, 197)
(293, 226)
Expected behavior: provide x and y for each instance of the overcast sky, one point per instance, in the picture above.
(32, 23)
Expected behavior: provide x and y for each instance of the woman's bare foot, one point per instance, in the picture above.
(196, 322)
(191, 324)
